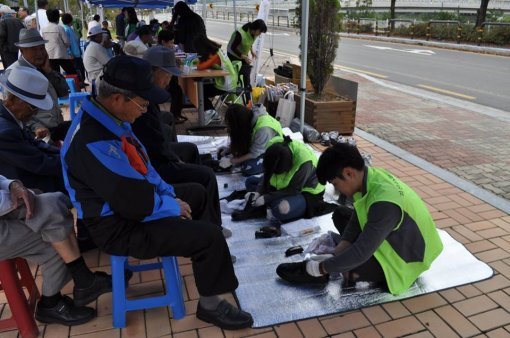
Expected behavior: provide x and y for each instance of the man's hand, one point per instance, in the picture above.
(46, 67)
(41, 132)
(253, 54)
(246, 59)
(185, 209)
(19, 192)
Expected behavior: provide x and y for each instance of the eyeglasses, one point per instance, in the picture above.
(142, 107)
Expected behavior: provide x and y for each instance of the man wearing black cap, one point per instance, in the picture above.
(127, 207)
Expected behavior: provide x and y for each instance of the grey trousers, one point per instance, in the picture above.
(51, 222)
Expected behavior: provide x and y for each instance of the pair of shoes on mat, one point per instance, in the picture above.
(296, 273)
(249, 213)
(225, 316)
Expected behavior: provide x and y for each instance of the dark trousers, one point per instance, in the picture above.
(8, 58)
(245, 75)
(187, 152)
(175, 173)
(80, 68)
(66, 64)
(177, 96)
(210, 91)
(195, 195)
(371, 270)
(202, 241)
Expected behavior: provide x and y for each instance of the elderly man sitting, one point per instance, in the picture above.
(128, 209)
(95, 56)
(48, 121)
(40, 227)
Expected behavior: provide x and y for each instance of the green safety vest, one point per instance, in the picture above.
(267, 120)
(228, 82)
(247, 41)
(300, 154)
(414, 243)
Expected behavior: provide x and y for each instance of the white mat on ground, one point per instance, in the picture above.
(272, 301)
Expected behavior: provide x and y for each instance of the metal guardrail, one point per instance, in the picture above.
(391, 26)
(249, 12)
(444, 22)
(480, 29)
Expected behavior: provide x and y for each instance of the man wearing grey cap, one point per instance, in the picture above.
(128, 208)
(46, 122)
(162, 153)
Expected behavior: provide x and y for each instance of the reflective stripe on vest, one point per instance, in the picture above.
(414, 243)
(301, 154)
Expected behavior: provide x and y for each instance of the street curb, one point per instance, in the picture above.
(445, 45)
(463, 184)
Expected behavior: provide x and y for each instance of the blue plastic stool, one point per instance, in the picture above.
(74, 100)
(173, 297)
(72, 89)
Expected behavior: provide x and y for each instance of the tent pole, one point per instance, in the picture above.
(204, 10)
(235, 15)
(304, 51)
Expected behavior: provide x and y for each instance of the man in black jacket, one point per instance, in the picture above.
(161, 152)
(9, 35)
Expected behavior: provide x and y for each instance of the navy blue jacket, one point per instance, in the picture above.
(107, 170)
(31, 161)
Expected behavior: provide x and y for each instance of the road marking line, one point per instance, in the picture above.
(382, 76)
(337, 67)
(449, 92)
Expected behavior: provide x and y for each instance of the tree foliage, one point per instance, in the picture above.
(323, 27)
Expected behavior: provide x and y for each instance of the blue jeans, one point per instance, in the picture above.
(252, 166)
(288, 208)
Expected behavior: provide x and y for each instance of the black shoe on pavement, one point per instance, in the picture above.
(65, 313)
(295, 273)
(102, 284)
(225, 316)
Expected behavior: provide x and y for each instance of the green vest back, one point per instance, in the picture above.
(247, 41)
(414, 243)
(267, 120)
(228, 82)
(300, 154)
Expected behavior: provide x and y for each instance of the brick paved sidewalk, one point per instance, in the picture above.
(480, 309)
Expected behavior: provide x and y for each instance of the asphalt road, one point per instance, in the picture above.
(479, 78)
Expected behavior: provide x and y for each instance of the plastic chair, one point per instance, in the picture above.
(22, 308)
(173, 297)
(72, 89)
(75, 100)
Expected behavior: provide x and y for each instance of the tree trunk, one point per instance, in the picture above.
(392, 13)
(481, 13)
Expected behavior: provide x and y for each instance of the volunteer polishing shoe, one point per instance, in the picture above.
(295, 273)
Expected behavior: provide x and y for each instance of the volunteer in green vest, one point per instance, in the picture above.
(391, 238)
(212, 57)
(240, 46)
(250, 131)
(289, 186)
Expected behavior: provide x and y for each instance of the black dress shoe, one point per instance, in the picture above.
(225, 316)
(65, 313)
(249, 213)
(102, 284)
(295, 273)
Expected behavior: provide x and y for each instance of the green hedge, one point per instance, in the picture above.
(497, 35)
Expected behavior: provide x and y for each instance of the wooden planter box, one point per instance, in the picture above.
(333, 115)
(330, 115)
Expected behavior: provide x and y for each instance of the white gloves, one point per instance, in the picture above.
(312, 268)
(259, 201)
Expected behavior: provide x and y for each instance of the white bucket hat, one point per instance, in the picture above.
(95, 30)
(29, 85)
(6, 9)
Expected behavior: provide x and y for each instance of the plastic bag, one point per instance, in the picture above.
(310, 134)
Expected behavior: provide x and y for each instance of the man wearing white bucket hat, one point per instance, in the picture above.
(49, 121)
(22, 157)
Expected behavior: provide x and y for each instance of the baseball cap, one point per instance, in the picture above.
(162, 57)
(134, 74)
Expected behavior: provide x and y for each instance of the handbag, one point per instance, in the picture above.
(286, 109)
